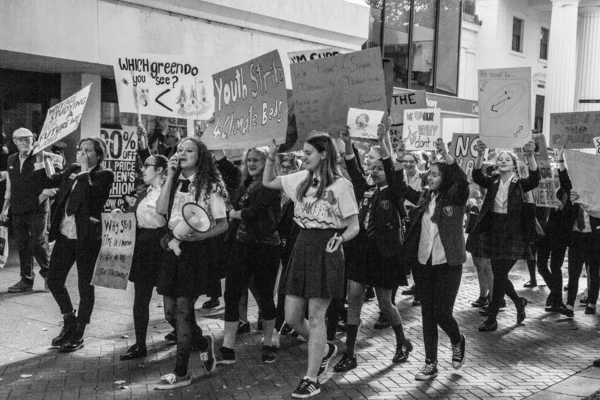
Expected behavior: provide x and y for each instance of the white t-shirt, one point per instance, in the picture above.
(215, 205)
(329, 212)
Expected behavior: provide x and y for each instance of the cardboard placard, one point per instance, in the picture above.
(462, 149)
(114, 260)
(574, 130)
(121, 157)
(325, 89)
(308, 55)
(422, 127)
(404, 99)
(251, 106)
(545, 194)
(505, 107)
(584, 171)
(62, 119)
(164, 85)
(363, 124)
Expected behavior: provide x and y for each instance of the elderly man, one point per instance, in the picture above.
(28, 203)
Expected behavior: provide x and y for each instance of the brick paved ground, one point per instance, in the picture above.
(511, 363)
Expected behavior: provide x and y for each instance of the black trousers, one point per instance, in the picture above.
(437, 287)
(548, 250)
(66, 252)
(30, 232)
(585, 247)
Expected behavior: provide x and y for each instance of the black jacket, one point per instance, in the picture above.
(25, 187)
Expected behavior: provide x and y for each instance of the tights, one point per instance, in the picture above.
(141, 311)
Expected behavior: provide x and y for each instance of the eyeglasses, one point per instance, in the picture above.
(23, 139)
(149, 165)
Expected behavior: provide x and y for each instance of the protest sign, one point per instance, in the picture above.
(164, 85)
(307, 55)
(462, 149)
(404, 99)
(574, 130)
(114, 260)
(597, 144)
(251, 105)
(326, 88)
(545, 194)
(584, 171)
(122, 147)
(505, 107)
(422, 127)
(363, 123)
(62, 119)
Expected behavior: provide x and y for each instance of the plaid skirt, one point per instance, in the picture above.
(501, 243)
(475, 245)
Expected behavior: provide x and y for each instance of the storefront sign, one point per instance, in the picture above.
(122, 147)
(584, 171)
(574, 130)
(307, 55)
(463, 151)
(505, 103)
(404, 99)
(363, 124)
(422, 127)
(164, 85)
(545, 194)
(325, 89)
(62, 119)
(114, 261)
(251, 105)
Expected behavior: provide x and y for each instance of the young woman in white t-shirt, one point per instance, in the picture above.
(326, 211)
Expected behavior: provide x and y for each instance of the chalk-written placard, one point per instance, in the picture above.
(250, 105)
(463, 150)
(114, 260)
(404, 99)
(505, 107)
(545, 194)
(121, 159)
(574, 130)
(164, 85)
(307, 55)
(62, 119)
(422, 127)
(584, 171)
(364, 123)
(325, 89)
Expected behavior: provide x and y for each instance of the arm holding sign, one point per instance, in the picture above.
(479, 177)
(533, 180)
(269, 179)
(162, 204)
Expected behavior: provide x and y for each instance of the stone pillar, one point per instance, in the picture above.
(588, 59)
(562, 60)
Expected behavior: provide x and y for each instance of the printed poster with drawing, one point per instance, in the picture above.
(545, 194)
(164, 85)
(505, 107)
(116, 254)
(363, 124)
(584, 171)
(422, 127)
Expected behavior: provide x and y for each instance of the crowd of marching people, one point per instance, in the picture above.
(332, 224)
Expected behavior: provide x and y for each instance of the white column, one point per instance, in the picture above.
(588, 59)
(562, 60)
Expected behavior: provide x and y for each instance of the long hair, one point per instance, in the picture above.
(262, 153)
(445, 186)
(207, 174)
(99, 147)
(328, 171)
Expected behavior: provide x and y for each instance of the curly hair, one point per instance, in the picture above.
(207, 174)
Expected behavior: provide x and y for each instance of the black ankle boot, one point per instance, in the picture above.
(75, 341)
(490, 324)
(69, 326)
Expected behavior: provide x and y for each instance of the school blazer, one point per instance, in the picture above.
(449, 212)
(387, 212)
(86, 200)
(518, 215)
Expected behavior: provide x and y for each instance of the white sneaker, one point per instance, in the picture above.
(172, 381)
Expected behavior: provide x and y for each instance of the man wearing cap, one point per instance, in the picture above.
(29, 208)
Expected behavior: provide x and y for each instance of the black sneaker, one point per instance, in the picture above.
(325, 362)
(382, 322)
(584, 301)
(20, 287)
(243, 327)
(429, 371)
(286, 330)
(345, 364)
(306, 389)
(590, 310)
(208, 357)
(402, 352)
(171, 336)
(225, 356)
(211, 303)
(269, 354)
(458, 353)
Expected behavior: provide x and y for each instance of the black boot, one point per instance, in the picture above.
(69, 327)
(489, 324)
(75, 341)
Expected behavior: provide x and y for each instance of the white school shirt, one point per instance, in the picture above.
(215, 205)
(501, 200)
(146, 211)
(431, 243)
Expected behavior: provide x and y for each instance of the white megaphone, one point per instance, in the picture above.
(195, 219)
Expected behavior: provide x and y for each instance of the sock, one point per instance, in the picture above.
(351, 334)
(311, 378)
(399, 331)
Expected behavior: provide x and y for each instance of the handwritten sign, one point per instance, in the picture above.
(462, 149)
(584, 171)
(121, 159)
(574, 130)
(325, 89)
(597, 144)
(422, 127)
(404, 99)
(164, 85)
(251, 105)
(114, 261)
(545, 194)
(505, 107)
(363, 123)
(63, 119)
(307, 55)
